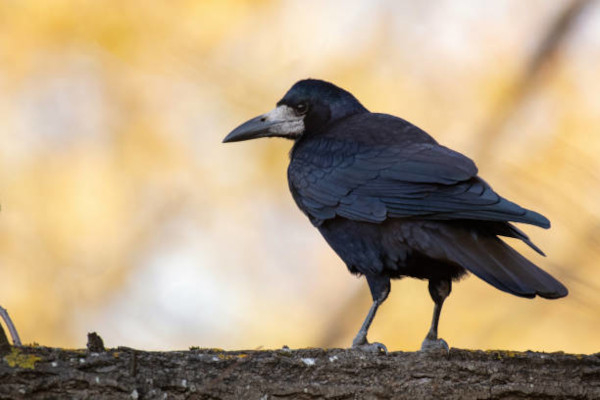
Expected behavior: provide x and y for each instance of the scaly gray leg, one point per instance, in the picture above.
(439, 290)
(381, 288)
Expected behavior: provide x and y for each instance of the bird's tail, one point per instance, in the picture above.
(492, 260)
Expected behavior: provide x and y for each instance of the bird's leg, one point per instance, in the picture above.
(439, 289)
(11, 327)
(380, 289)
(361, 336)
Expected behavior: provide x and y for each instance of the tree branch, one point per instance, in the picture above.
(43, 373)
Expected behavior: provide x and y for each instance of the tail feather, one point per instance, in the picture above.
(513, 231)
(492, 260)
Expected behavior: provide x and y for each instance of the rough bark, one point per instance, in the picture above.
(123, 373)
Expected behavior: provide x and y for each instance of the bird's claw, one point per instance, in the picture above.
(375, 347)
(434, 344)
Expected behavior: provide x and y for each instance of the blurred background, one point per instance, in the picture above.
(123, 213)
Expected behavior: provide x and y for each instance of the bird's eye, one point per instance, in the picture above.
(301, 108)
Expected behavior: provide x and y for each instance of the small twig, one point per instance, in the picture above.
(11, 327)
(133, 366)
(95, 344)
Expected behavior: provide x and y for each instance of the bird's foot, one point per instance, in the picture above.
(434, 344)
(375, 347)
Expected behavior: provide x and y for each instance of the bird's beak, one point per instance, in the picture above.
(280, 122)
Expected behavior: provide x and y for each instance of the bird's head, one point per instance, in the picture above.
(307, 107)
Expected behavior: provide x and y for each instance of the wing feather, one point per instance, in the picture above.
(371, 182)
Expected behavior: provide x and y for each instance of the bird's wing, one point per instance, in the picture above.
(370, 183)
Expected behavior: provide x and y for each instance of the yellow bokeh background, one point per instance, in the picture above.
(123, 213)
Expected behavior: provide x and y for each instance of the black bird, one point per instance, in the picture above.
(392, 202)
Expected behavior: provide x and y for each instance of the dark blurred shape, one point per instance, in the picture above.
(392, 202)
(11, 327)
(554, 37)
(4, 344)
(95, 344)
(547, 48)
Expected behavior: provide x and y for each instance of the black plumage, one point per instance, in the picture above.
(392, 202)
